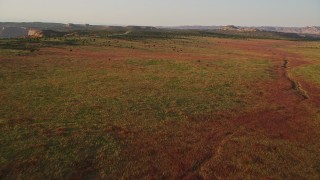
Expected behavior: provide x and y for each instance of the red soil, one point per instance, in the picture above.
(181, 150)
(171, 154)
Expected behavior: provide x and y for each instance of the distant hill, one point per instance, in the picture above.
(191, 27)
(13, 30)
(298, 30)
(39, 29)
(36, 25)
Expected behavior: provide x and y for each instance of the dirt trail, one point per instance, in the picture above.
(287, 122)
(191, 150)
(294, 83)
(285, 92)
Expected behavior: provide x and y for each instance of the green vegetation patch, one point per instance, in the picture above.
(311, 52)
(309, 73)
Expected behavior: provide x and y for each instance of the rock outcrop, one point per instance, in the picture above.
(230, 28)
(35, 33)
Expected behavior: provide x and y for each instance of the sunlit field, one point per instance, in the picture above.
(180, 107)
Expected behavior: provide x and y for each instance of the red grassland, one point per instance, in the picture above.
(273, 134)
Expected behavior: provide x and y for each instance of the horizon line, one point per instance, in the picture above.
(124, 25)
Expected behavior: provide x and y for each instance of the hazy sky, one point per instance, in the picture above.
(165, 12)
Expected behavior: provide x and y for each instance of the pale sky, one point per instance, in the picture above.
(165, 12)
